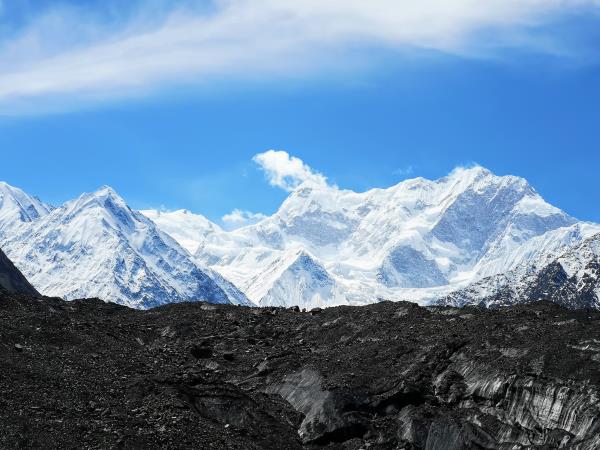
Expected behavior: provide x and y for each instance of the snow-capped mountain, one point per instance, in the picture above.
(569, 276)
(419, 240)
(18, 208)
(296, 279)
(462, 238)
(96, 246)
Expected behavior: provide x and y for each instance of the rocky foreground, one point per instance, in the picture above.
(88, 374)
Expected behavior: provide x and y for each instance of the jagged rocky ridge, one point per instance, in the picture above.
(89, 374)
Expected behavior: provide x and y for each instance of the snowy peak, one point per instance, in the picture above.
(303, 261)
(103, 191)
(93, 217)
(97, 246)
(476, 174)
(299, 260)
(105, 196)
(17, 207)
(300, 280)
(485, 206)
(416, 240)
(104, 203)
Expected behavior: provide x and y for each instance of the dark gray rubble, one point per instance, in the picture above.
(87, 374)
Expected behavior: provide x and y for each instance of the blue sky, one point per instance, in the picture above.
(172, 117)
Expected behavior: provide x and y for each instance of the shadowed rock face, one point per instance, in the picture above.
(11, 279)
(86, 374)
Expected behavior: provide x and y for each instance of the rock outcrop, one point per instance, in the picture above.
(11, 279)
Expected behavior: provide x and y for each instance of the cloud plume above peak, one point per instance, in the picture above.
(65, 53)
(285, 171)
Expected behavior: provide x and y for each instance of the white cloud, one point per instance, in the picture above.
(281, 170)
(238, 218)
(84, 57)
(285, 171)
(404, 171)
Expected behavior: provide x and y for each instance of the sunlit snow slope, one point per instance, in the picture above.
(466, 237)
(96, 246)
(419, 240)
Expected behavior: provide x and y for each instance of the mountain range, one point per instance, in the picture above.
(96, 246)
(470, 237)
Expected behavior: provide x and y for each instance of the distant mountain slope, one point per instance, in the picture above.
(11, 279)
(570, 279)
(299, 280)
(96, 246)
(234, 295)
(190, 230)
(419, 240)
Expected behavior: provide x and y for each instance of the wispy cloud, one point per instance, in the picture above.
(65, 52)
(285, 171)
(404, 171)
(239, 218)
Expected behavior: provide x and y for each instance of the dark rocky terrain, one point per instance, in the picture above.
(89, 374)
(11, 279)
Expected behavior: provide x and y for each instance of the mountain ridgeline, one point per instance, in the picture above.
(469, 238)
(96, 246)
